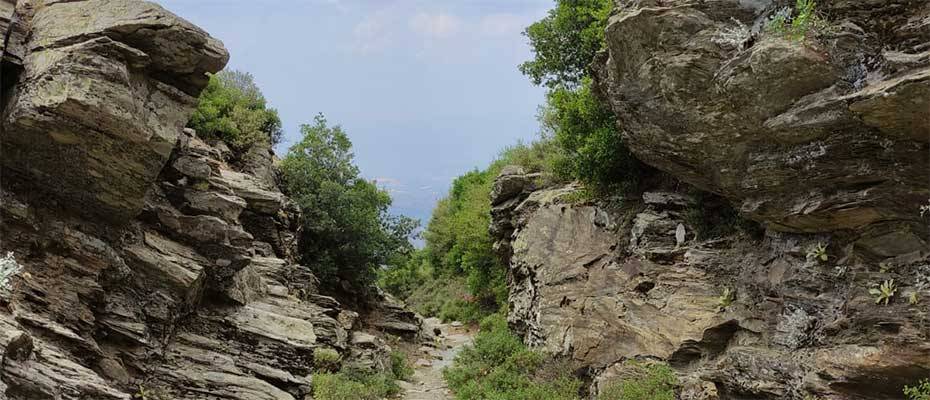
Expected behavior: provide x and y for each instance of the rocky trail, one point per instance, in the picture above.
(427, 382)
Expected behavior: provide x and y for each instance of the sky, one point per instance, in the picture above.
(425, 89)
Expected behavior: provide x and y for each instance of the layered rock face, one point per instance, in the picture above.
(824, 140)
(101, 99)
(602, 285)
(150, 265)
(816, 135)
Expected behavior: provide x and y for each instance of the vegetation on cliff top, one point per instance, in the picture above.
(233, 109)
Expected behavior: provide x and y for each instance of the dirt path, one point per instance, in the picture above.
(427, 382)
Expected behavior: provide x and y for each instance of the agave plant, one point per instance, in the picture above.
(818, 253)
(884, 292)
(726, 298)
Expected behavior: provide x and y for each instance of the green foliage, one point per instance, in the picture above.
(649, 382)
(884, 292)
(232, 108)
(919, 392)
(325, 359)
(457, 238)
(586, 133)
(346, 232)
(400, 368)
(358, 384)
(818, 253)
(565, 41)
(726, 298)
(799, 25)
(448, 298)
(405, 274)
(585, 142)
(499, 366)
(913, 298)
(354, 385)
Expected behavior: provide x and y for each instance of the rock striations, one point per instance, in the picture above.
(150, 264)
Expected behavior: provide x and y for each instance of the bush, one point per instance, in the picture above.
(400, 368)
(919, 392)
(499, 366)
(353, 385)
(650, 382)
(233, 109)
(325, 359)
(592, 150)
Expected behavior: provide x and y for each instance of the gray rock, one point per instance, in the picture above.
(101, 99)
(816, 135)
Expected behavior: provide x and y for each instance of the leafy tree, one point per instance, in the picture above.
(346, 231)
(565, 42)
(589, 146)
(232, 108)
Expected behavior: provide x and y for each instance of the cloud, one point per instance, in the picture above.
(435, 26)
(373, 34)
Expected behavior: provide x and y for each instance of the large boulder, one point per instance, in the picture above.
(104, 91)
(826, 133)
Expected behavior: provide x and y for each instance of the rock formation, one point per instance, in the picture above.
(827, 133)
(606, 284)
(823, 141)
(149, 263)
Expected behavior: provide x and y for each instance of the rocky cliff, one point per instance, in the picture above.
(823, 141)
(147, 262)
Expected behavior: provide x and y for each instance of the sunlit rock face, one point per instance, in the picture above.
(102, 92)
(825, 133)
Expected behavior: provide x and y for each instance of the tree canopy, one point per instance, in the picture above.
(565, 41)
(346, 232)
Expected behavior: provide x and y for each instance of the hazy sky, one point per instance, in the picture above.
(425, 89)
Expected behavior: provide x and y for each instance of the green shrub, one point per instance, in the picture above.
(796, 25)
(586, 133)
(405, 274)
(919, 392)
(232, 108)
(649, 382)
(499, 366)
(458, 242)
(325, 359)
(448, 299)
(400, 368)
(353, 385)
(461, 310)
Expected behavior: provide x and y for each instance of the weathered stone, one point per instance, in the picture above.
(101, 99)
(602, 286)
(812, 135)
